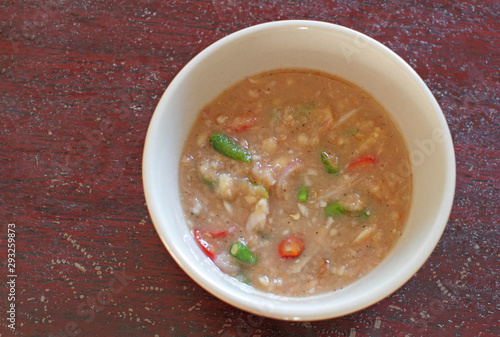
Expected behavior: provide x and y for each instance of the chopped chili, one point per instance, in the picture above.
(362, 162)
(291, 246)
(207, 248)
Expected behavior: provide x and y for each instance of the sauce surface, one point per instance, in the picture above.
(295, 182)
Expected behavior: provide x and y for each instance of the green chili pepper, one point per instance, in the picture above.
(365, 215)
(227, 147)
(303, 194)
(206, 181)
(328, 166)
(335, 209)
(242, 277)
(240, 251)
(261, 190)
(303, 110)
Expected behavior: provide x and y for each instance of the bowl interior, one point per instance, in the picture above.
(339, 51)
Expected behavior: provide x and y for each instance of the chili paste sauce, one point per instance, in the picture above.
(295, 182)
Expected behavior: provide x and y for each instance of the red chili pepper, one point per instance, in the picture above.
(205, 246)
(291, 246)
(218, 234)
(242, 122)
(362, 162)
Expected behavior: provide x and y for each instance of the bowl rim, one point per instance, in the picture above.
(239, 300)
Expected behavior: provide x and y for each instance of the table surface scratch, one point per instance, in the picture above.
(79, 81)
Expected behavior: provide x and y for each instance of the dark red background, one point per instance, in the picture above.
(79, 81)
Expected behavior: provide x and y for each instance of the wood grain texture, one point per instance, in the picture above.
(79, 81)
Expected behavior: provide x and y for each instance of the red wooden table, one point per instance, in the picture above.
(79, 81)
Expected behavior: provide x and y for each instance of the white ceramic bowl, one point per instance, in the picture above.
(339, 51)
